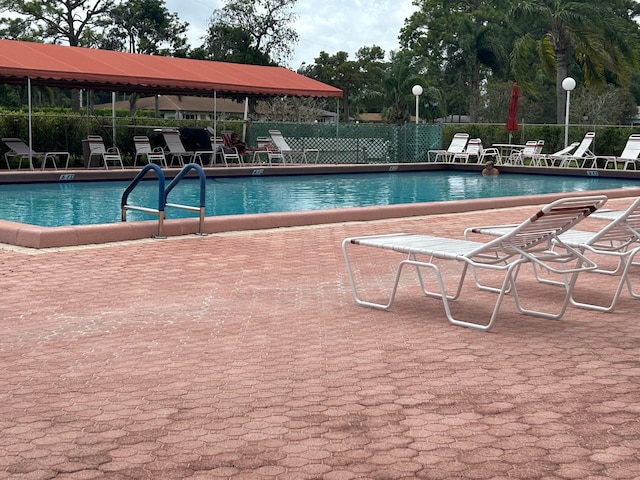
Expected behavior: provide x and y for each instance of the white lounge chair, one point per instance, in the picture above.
(290, 153)
(546, 159)
(628, 157)
(144, 150)
(474, 149)
(530, 242)
(20, 150)
(583, 157)
(620, 239)
(265, 147)
(174, 148)
(103, 154)
(457, 145)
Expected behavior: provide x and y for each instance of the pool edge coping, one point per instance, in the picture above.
(32, 236)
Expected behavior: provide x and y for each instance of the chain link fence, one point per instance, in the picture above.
(356, 143)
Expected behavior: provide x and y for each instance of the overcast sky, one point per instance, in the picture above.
(329, 25)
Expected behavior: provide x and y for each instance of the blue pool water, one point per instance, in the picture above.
(84, 203)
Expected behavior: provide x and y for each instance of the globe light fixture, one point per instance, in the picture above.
(417, 91)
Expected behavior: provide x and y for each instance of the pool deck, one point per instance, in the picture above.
(33, 236)
(242, 355)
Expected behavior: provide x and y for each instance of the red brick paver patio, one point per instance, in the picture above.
(244, 356)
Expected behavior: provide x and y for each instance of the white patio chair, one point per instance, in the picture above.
(104, 155)
(230, 152)
(530, 242)
(457, 145)
(475, 149)
(144, 150)
(619, 238)
(217, 146)
(532, 149)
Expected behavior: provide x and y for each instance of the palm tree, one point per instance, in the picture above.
(597, 36)
(397, 80)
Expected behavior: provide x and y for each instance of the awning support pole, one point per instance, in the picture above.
(215, 114)
(246, 116)
(29, 125)
(113, 118)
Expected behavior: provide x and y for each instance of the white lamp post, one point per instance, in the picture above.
(568, 84)
(417, 91)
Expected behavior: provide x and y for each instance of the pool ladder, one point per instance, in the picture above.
(163, 193)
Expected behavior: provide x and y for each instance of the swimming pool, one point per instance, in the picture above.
(88, 203)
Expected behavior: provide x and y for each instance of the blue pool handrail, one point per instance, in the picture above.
(163, 193)
(160, 211)
(203, 185)
(180, 176)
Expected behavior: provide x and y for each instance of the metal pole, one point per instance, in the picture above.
(245, 118)
(30, 126)
(566, 120)
(113, 118)
(568, 84)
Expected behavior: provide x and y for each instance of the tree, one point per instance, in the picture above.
(231, 44)
(461, 44)
(336, 70)
(58, 20)
(144, 26)
(55, 21)
(288, 109)
(252, 31)
(397, 81)
(360, 80)
(608, 106)
(367, 96)
(599, 38)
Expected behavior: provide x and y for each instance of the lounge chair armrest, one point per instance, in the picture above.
(488, 230)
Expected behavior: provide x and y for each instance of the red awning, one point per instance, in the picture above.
(75, 67)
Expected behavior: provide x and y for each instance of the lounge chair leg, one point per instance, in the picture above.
(441, 286)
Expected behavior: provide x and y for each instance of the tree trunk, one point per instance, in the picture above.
(474, 100)
(133, 98)
(345, 105)
(75, 100)
(561, 95)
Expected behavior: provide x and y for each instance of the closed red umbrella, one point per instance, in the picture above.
(512, 122)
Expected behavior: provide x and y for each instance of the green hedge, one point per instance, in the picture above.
(65, 132)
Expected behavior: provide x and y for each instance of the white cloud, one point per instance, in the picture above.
(328, 25)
